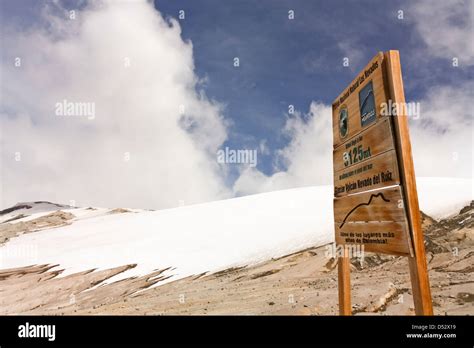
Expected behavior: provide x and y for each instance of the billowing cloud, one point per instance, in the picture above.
(442, 137)
(147, 137)
(446, 27)
(305, 161)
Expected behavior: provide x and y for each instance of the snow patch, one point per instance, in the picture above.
(207, 237)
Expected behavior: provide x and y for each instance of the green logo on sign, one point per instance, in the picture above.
(343, 121)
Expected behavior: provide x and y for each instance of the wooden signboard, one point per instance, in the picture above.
(380, 171)
(366, 92)
(374, 219)
(369, 143)
(376, 202)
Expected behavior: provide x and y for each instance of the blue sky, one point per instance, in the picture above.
(282, 62)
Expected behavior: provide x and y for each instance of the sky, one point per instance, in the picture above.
(167, 95)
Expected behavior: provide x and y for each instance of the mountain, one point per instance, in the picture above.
(131, 249)
(190, 239)
(301, 283)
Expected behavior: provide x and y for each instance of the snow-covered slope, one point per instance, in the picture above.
(192, 239)
(30, 209)
(443, 197)
(205, 237)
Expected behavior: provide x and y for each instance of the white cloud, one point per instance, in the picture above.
(137, 112)
(442, 138)
(446, 27)
(305, 161)
(353, 52)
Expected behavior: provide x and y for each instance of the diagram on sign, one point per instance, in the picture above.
(364, 204)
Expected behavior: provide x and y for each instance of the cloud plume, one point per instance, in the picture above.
(152, 141)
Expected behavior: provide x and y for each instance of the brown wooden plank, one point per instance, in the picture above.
(349, 99)
(417, 264)
(377, 172)
(344, 284)
(371, 142)
(374, 219)
(381, 237)
(378, 205)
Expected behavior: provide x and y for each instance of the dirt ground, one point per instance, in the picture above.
(303, 283)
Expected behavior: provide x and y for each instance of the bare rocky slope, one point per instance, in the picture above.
(303, 283)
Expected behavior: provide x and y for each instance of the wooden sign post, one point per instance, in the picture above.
(376, 202)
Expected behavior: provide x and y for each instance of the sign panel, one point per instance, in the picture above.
(366, 145)
(360, 104)
(378, 172)
(375, 219)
